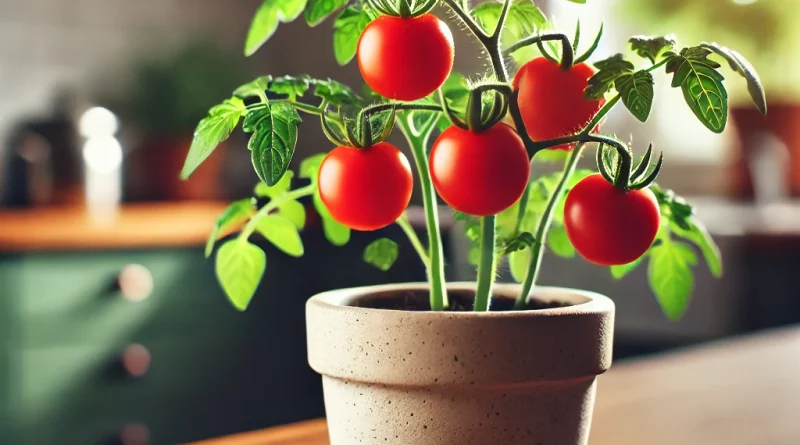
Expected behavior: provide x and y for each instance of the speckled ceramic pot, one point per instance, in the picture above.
(459, 378)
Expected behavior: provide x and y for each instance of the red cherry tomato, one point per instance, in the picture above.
(608, 226)
(551, 100)
(406, 59)
(365, 189)
(480, 173)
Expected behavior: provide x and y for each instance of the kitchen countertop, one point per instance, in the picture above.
(131, 226)
(737, 392)
(189, 223)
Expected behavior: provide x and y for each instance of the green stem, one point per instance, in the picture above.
(415, 242)
(418, 142)
(537, 250)
(486, 266)
(250, 227)
(467, 19)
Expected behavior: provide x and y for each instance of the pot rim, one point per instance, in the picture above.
(583, 301)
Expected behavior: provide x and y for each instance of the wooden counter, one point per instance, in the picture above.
(132, 226)
(741, 392)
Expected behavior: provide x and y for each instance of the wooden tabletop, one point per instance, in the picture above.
(739, 392)
(130, 226)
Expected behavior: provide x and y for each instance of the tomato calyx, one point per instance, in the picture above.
(568, 50)
(403, 8)
(622, 174)
(479, 117)
(372, 125)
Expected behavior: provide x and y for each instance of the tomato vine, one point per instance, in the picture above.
(272, 110)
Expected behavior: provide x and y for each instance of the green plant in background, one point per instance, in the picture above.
(168, 95)
(765, 30)
(617, 217)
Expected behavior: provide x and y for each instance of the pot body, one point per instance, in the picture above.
(462, 378)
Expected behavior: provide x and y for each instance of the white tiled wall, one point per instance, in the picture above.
(85, 43)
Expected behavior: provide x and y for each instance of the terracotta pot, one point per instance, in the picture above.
(783, 122)
(157, 166)
(459, 378)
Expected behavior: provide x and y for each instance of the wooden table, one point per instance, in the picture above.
(740, 392)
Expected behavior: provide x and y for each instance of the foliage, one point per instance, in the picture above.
(270, 109)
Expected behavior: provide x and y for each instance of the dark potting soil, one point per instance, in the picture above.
(460, 301)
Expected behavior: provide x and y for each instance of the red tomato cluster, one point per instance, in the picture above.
(484, 172)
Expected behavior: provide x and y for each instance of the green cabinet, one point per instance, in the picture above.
(66, 323)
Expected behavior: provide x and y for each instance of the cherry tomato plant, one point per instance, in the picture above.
(544, 90)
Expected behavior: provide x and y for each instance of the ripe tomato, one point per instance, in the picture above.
(406, 59)
(365, 189)
(551, 100)
(480, 173)
(608, 226)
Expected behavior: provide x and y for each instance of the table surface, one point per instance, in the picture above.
(130, 226)
(739, 392)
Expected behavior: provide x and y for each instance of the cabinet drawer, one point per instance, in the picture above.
(195, 387)
(77, 298)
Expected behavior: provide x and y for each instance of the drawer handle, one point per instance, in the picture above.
(134, 434)
(135, 360)
(135, 282)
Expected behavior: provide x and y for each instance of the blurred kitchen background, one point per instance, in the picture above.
(112, 326)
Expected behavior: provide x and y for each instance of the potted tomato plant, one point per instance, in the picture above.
(467, 363)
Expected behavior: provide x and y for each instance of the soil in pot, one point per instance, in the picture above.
(460, 301)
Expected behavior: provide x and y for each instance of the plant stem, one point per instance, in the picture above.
(486, 266)
(486, 269)
(272, 205)
(418, 142)
(415, 242)
(537, 250)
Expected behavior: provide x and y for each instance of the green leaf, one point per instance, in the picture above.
(702, 86)
(700, 237)
(234, 213)
(520, 241)
(559, 243)
(551, 156)
(618, 272)
(346, 31)
(291, 86)
(636, 91)
(319, 10)
(336, 93)
(239, 268)
(264, 191)
(524, 18)
(274, 129)
(608, 71)
(518, 263)
(254, 88)
(653, 48)
(294, 211)
(580, 2)
(673, 207)
(381, 253)
(337, 233)
(310, 166)
(211, 131)
(738, 63)
(266, 20)
(670, 276)
(282, 233)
